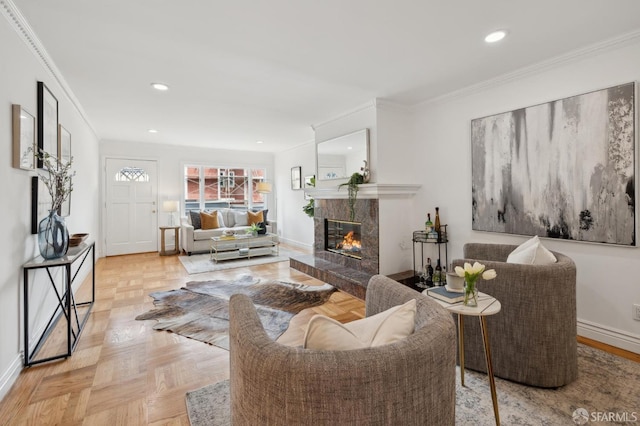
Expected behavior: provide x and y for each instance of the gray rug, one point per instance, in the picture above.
(200, 263)
(200, 310)
(606, 384)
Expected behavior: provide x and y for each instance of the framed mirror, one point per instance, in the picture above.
(340, 157)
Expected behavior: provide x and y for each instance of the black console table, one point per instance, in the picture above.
(67, 305)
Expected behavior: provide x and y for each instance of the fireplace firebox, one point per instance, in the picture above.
(343, 238)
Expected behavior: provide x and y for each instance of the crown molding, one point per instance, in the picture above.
(363, 107)
(534, 69)
(29, 37)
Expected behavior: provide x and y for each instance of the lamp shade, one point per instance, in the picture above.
(170, 206)
(264, 187)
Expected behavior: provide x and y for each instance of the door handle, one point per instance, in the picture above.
(153, 211)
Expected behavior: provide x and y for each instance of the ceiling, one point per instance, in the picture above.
(242, 71)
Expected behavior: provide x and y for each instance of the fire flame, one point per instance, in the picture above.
(350, 243)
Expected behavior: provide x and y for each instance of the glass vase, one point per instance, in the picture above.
(470, 294)
(53, 236)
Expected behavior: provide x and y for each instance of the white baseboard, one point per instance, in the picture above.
(610, 336)
(9, 377)
(296, 243)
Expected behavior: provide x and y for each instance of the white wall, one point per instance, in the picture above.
(19, 72)
(294, 226)
(171, 160)
(607, 275)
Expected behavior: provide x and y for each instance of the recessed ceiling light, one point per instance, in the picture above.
(259, 142)
(349, 147)
(160, 86)
(495, 36)
(153, 131)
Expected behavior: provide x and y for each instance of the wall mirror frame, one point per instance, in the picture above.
(340, 157)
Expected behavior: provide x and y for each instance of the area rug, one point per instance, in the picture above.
(200, 310)
(608, 387)
(199, 263)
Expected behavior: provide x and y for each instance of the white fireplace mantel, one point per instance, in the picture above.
(365, 190)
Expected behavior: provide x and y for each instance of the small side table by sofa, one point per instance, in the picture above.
(487, 305)
(163, 250)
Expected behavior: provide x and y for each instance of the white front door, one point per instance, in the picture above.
(131, 206)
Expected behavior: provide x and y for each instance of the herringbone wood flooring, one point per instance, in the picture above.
(125, 373)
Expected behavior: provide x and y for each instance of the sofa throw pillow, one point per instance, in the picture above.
(195, 219)
(255, 217)
(385, 327)
(264, 215)
(241, 219)
(209, 220)
(531, 252)
(262, 228)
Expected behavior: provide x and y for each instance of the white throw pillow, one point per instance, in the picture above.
(241, 219)
(385, 327)
(531, 252)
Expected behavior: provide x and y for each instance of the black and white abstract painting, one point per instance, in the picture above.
(564, 169)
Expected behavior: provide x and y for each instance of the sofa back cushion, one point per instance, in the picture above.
(241, 218)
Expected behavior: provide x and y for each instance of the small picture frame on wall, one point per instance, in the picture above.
(296, 177)
(47, 122)
(24, 138)
(64, 157)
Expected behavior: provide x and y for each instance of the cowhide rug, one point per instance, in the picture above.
(201, 309)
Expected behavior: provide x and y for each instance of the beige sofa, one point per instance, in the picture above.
(533, 337)
(409, 382)
(199, 240)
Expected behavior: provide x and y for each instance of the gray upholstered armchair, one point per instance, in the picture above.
(409, 382)
(533, 337)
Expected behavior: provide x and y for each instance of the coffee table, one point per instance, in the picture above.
(243, 246)
(487, 305)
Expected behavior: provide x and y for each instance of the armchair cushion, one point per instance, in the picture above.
(388, 326)
(531, 252)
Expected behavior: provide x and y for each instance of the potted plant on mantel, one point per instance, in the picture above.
(352, 186)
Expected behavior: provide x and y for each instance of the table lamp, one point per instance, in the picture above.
(170, 207)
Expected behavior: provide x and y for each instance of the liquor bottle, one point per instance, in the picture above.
(437, 224)
(429, 272)
(428, 225)
(437, 274)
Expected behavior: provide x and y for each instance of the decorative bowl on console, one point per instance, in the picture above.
(77, 239)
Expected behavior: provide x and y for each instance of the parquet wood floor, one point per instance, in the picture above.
(125, 373)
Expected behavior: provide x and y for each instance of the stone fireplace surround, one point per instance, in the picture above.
(345, 273)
